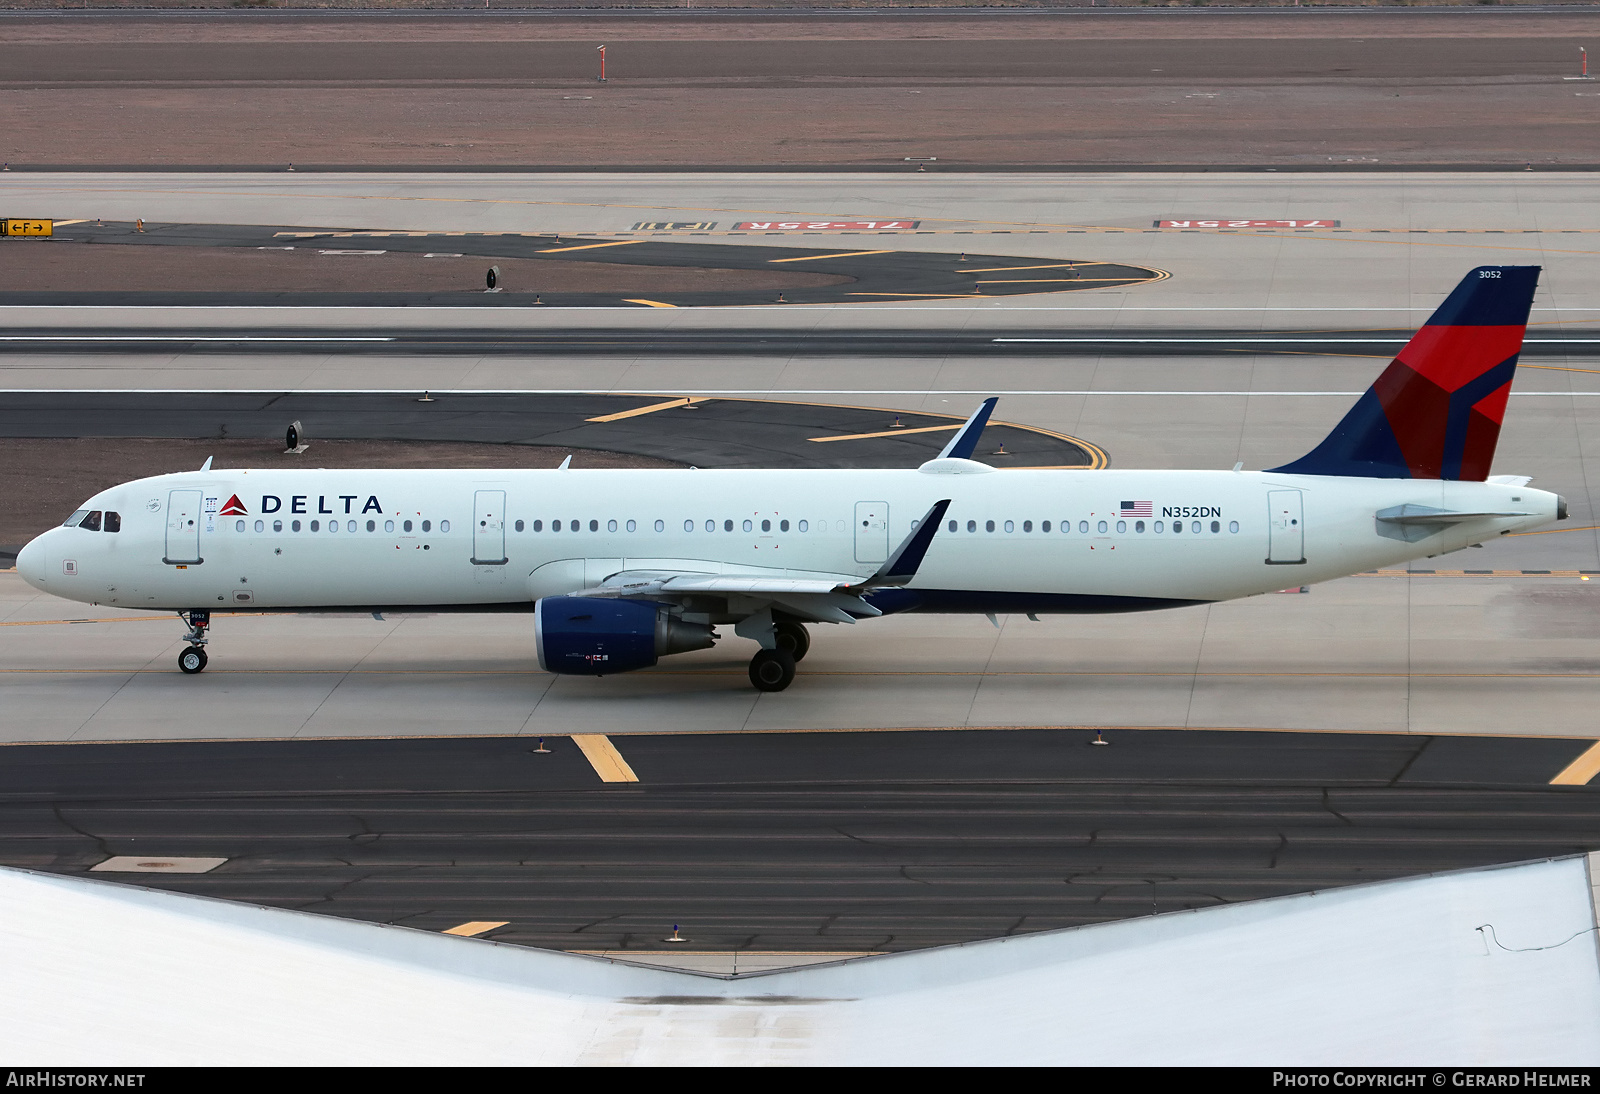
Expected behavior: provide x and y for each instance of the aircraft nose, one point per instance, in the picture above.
(31, 562)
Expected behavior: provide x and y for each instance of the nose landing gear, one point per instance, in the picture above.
(193, 658)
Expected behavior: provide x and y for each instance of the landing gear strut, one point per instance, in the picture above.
(193, 658)
(772, 670)
(792, 637)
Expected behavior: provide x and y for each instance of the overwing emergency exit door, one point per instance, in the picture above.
(1286, 528)
(872, 531)
(183, 528)
(489, 528)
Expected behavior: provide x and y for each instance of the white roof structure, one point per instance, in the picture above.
(1397, 973)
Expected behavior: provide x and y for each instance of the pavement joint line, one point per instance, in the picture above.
(1581, 770)
(604, 758)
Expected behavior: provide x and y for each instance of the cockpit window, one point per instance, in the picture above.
(72, 521)
(92, 521)
(113, 521)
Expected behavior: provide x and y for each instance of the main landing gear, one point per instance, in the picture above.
(193, 658)
(792, 637)
(772, 668)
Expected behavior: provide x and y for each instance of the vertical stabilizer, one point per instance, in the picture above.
(1435, 412)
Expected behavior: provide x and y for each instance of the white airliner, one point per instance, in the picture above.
(620, 568)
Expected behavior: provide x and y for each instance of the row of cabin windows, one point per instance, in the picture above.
(333, 526)
(661, 525)
(94, 520)
(1195, 527)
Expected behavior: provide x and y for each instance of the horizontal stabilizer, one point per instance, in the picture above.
(1424, 514)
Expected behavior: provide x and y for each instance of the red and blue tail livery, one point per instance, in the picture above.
(1435, 413)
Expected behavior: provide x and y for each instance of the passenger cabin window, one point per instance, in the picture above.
(783, 526)
(113, 521)
(519, 526)
(805, 526)
(427, 526)
(1044, 526)
(444, 526)
(407, 526)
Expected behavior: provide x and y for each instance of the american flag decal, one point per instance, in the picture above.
(1135, 509)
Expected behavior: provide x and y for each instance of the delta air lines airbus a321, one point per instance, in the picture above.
(621, 568)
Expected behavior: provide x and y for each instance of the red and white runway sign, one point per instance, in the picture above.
(823, 225)
(1246, 224)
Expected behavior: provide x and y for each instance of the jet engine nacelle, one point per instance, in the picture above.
(588, 636)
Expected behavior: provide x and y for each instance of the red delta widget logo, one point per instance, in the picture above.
(234, 508)
(300, 503)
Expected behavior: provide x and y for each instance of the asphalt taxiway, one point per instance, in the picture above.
(788, 842)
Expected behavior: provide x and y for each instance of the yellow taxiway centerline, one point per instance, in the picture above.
(841, 254)
(650, 303)
(604, 758)
(887, 433)
(651, 409)
(476, 927)
(590, 246)
(1581, 770)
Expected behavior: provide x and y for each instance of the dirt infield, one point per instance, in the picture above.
(461, 91)
(42, 480)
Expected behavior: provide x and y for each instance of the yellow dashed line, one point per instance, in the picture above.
(476, 927)
(650, 303)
